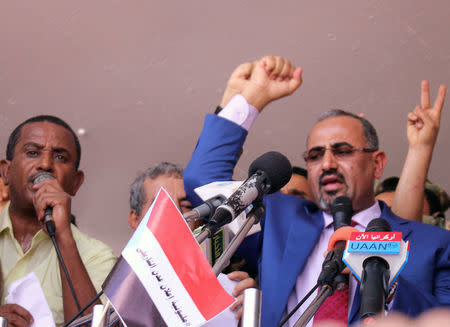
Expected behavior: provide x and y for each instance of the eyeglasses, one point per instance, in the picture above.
(341, 150)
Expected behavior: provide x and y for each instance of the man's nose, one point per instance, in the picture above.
(46, 161)
(329, 160)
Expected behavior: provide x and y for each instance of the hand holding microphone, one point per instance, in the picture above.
(50, 201)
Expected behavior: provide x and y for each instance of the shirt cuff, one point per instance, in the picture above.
(239, 112)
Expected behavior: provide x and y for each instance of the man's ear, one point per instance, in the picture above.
(380, 162)
(133, 219)
(78, 180)
(4, 170)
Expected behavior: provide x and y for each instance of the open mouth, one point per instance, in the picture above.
(331, 183)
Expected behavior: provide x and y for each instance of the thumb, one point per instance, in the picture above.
(296, 80)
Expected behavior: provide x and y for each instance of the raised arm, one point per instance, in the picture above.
(422, 131)
(221, 140)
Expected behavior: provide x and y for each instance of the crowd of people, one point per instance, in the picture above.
(343, 157)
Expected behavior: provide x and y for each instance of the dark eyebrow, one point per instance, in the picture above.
(35, 145)
(335, 145)
(61, 150)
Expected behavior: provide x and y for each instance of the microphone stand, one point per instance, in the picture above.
(325, 292)
(253, 217)
(327, 289)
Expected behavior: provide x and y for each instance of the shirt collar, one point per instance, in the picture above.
(362, 218)
(5, 220)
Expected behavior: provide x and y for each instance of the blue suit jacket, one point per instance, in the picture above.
(292, 226)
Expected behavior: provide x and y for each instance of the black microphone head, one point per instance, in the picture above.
(42, 176)
(378, 225)
(342, 211)
(277, 168)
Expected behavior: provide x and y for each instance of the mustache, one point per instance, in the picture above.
(331, 173)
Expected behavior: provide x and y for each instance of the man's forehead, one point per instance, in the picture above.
(172, 183)
(337, 129)
(47, 133)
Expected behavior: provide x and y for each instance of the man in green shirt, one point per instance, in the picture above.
(46, 144)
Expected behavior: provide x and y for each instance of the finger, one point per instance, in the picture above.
(286, 70)
(425, 95)
(16, 321)
(279, 64)
(243, 70)
(412, 118)
(418, 122)
(21, 312)
(439, 102)
(361, 115)
(238, 275)
(243, 285)
(296, 81)
(238, 303)
(268, 63)
(238, 314)
(425, 119)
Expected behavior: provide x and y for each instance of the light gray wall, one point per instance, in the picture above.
(139, 76)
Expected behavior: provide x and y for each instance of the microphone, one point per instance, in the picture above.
(205, 210)
(333, 265)
(376, 258)
(374, 277)
(48, 213)
(342, 212)
(267, 174)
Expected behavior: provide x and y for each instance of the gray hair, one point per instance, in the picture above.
(137, 192)
(369, 131)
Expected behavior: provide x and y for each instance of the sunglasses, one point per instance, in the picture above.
(341, 150)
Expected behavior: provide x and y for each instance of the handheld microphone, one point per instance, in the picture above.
(267, 174)
(376, 258)
(205, 210)
(333, 265)
(48, 213)
(50, 225)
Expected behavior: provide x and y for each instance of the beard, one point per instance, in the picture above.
(326, 203)
(326, 199)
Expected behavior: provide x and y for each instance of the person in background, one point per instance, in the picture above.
(298, 184)
(435, 202)
(143, 192)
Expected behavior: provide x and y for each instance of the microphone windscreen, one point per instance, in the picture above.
(39, 177)
(378, 225)
(276, 166)
(342, 205)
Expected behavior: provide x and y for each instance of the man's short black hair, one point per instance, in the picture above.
(15, 135)
(300, 171)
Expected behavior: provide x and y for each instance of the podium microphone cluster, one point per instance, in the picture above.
(267, 174)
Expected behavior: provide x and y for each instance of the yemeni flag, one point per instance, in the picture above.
(162, 277)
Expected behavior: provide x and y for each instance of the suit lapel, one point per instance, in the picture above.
(302, 235)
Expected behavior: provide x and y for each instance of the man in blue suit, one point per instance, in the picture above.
(342, 158)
